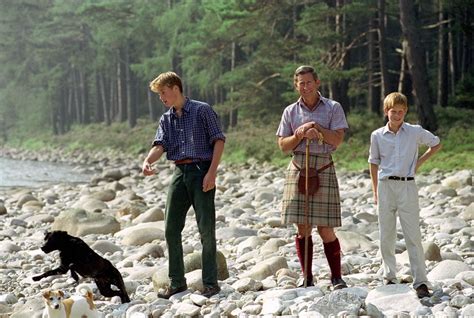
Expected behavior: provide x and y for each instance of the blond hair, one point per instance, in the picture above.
(395, 99)
(168, 79)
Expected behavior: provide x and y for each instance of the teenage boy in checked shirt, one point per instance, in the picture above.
(190, 134)
(393, 162)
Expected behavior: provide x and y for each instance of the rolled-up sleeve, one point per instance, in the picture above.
(212, 124)
(374, 153)
(161, 137)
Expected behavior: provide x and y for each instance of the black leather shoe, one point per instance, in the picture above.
(170, 291)
(422, 291)
(338, 283)
(210, 291)
(309, 283)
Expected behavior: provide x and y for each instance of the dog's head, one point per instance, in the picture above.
(54, 240)
(53, 299)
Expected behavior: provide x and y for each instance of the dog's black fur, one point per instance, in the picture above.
(79, 258)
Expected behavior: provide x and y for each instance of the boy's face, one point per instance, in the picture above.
(168, 95)
(306, 85)
(396, 115)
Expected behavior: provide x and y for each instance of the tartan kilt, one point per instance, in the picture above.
(324, 206)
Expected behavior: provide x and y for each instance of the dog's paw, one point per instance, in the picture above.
(36, 278)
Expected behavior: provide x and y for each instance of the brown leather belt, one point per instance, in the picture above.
(184, 161)
(319, 170)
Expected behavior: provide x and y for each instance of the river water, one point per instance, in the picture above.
(28, 173)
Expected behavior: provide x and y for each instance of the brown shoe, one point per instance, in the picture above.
(170, 291)
(210, 291)
(422, 291)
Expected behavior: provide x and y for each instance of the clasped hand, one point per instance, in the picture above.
(307, 131)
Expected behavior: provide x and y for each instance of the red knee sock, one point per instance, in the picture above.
(333, 255)
(300, 243)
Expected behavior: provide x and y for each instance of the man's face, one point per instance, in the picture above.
(396, 115)
(168, 95)
(306, 85)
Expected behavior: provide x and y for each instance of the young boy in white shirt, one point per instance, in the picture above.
(393, 162)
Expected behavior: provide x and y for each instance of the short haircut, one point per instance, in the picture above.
(304, 69)
(168, 79)
(395, 99)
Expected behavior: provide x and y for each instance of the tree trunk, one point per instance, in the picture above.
(122, 108)
(62, 110)
(99, 109)
(234, 110)
(339, 87)
(416, 65)
(452, 59)
(77, 100)
(103, 94)
(384, 80)
(69, 110)
(442, 96)
(84, 90)
(131, 114)
(373, 92)
(466, 40)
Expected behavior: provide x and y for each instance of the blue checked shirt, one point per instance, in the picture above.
(328, 114)
(190, 136)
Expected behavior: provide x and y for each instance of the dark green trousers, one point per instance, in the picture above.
(185, 191)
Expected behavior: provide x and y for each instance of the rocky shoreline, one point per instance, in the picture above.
(120, 214)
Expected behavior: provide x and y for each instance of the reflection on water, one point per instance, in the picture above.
(27, 173)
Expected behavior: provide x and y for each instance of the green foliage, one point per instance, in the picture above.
(237, 55)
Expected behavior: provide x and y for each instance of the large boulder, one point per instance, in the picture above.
(79, 222)
(142, 233)
(352, 241)
(266, 268)
(192, 268)
(193, 262)
(448, 269)
(90, 204)
(393, 299)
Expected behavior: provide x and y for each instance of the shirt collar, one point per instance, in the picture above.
(387, 130)
(186, 107)
(301, 102)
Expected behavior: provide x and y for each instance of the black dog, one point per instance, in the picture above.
(79, 258)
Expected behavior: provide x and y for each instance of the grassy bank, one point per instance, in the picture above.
(259, 142)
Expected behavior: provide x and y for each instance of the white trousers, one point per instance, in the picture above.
(400, 197)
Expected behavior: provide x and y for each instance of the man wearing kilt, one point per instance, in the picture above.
(322, 121)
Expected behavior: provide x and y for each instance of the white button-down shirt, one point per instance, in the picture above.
(396, 154)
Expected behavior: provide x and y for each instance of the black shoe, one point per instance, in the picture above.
(389, 282)
(210, 291)
(422, 291)
(309, 283)
(338, 283)
(170, 291)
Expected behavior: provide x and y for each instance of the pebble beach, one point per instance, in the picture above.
(120, 214)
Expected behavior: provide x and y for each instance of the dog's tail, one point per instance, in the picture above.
(86, 291)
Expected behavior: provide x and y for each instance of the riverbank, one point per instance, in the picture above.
(250, 140)
(258, 267)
